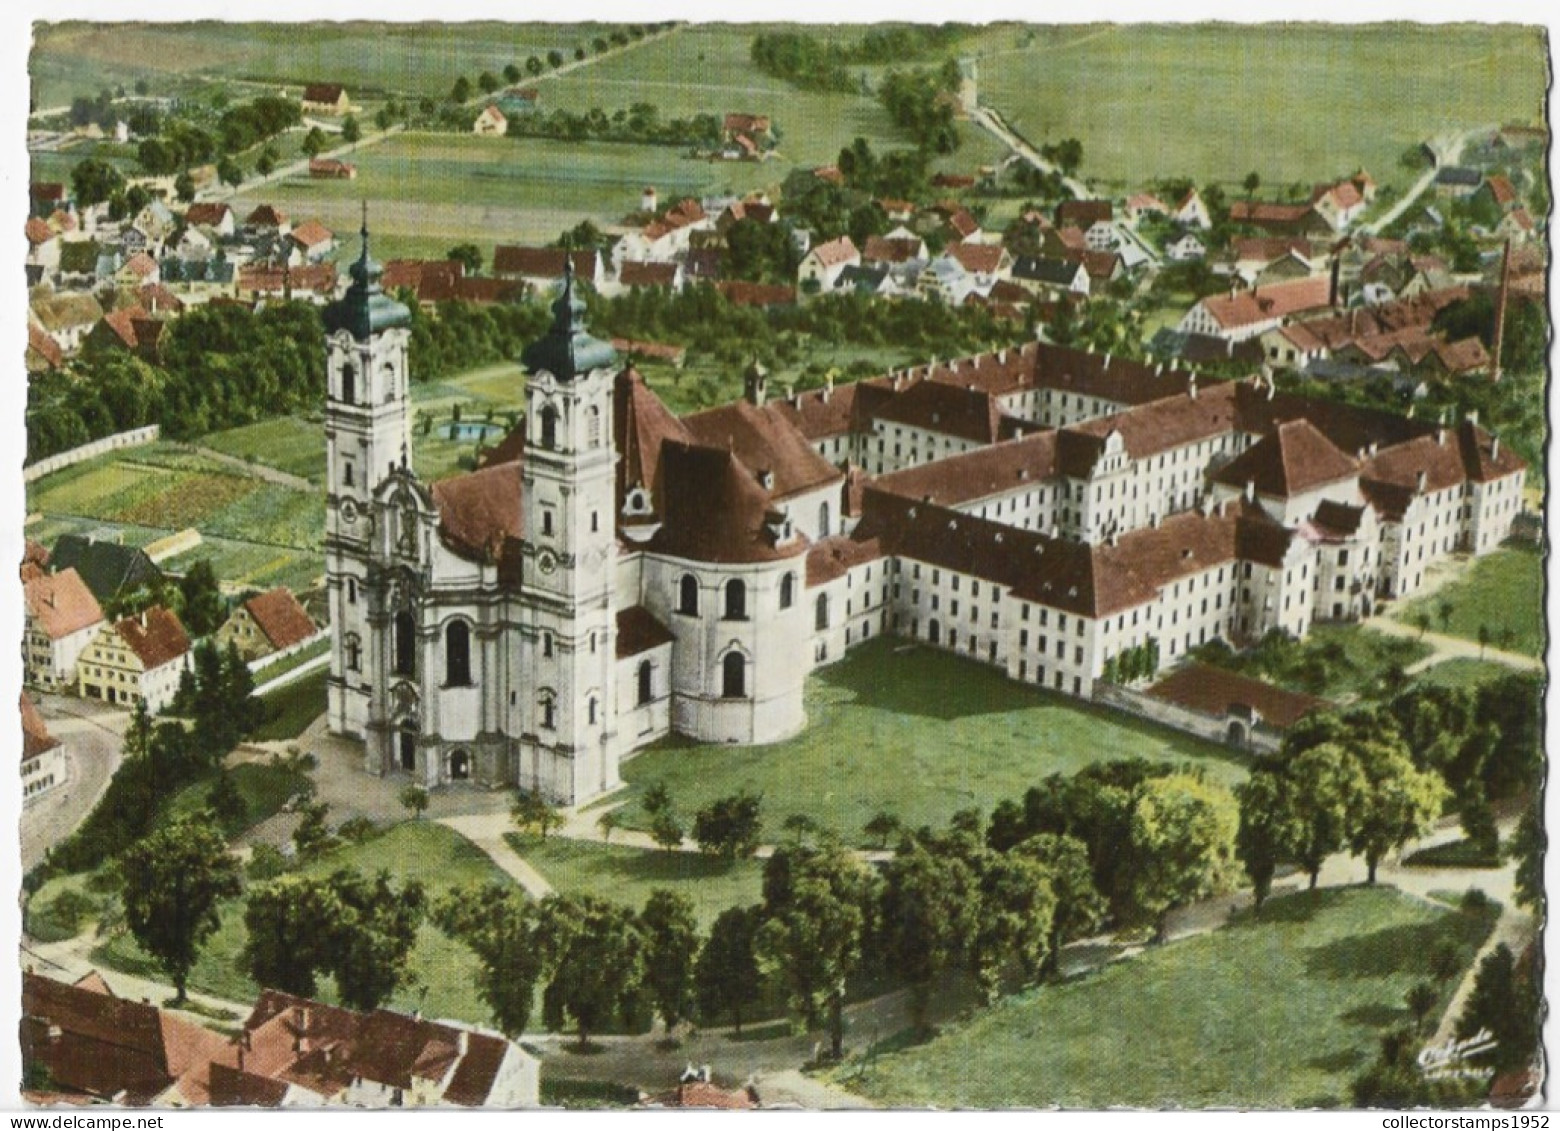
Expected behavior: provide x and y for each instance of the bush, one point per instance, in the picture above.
(1474, 902)
(266, 863)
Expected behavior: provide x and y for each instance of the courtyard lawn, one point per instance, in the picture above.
(442, 970)
(918, 733)
(1280, 1009)
(1150, 101)
(292, 707)
(264, 788)
(1461, 672)
(628, 875)
(1502, 592)
(1340, 662)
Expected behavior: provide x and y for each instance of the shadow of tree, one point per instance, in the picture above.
(1405, 949)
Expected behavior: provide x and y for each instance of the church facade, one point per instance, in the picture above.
(611, 573)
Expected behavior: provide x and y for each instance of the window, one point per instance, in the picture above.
(405, 644)
(593, 427)
(590, 711)
(823, 520)
(733, 676)
(457, 655)
(688, 596)
(346, 475)
(736, 599)
(645, 685)
(547, 522)
(348, 383)
(549, 712)
(821, 613)
(354, 654)
(549, 428)
(351, 590)
(547, 641)
(787, 590)
(595, 522)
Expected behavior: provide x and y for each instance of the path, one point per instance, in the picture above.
(1445, 150)
(478, 97)
(582, 825)
(257, 470)
(293, 675)
(993, 123)
(1515, 929)
(486, 831)
(294, 168)
(93, 737)
(1451, 647)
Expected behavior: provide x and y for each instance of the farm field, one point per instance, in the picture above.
(1206, 101)
(629, 875)
(1280, 1009)
(1501, 592)
(267, 54)
(920, 734)
(443, 971)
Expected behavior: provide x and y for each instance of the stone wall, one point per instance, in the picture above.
(131, 439)
(1260, 738)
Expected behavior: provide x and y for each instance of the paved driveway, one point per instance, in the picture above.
(93, 736)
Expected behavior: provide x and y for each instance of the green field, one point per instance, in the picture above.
(292, 707)
(1461, 672)
(293, 444)
(1501, 592)
(1216, 101)
(629, 875)
(420, 850)
(921, 734)
(264, 788)
(1278, 1010)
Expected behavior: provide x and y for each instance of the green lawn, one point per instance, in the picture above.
(1336, 661)
(264, 788)
(1461, 672)
(1277, 1010)
(1204, 101)
(293, 707)
(921, 734)
(420, 850)
(1502, 592)
(629, 875)
(293, 444)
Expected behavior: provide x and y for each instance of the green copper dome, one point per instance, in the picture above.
(365, 309)
(568, 350)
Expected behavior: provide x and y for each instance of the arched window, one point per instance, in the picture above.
(549, 712)
(405, 644)
(354, 654)
(408, 747)
(348, 383)
(387, 378)
(549, 428)
(733, 670)
(787, 590)
(688, 595)
(823, 520)
(590, 711)
(736, 599)
(457, 655)
(821, 612)
(645, 687)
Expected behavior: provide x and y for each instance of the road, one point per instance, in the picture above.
(257, 470)
(93, 736)
(993, 123)
(1445, 150)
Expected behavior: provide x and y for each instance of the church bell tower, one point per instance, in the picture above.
(568, 743)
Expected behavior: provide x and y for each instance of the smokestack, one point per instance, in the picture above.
(1500, 310)
(1332, 283)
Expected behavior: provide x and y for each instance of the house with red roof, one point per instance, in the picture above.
(136, 660)
(1243, 314)
(44, 765)
(821, 266)
(326, 98)
(267, 624)
(310, 242)
(490, 122)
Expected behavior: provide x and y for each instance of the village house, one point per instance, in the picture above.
(136, 660)
(44, 766)
(43, 352)
(267, 623)
(1457, 182)
(433, 281)
(266, 219)
(1184, 248)
(43, 251)
(66, 318)
(325, 98)
(664, 276)
(1191, 212)
(1141, 205)
(315, 282)
(214, 218)
(542, 268)
(820, 268)
(1280, 219)
(62, 618)
(331, 169)
(131, 329)
(516, 100)
(490, 122)
(107, 568)
(310, 243)
(1042, 274)
(1243, 314)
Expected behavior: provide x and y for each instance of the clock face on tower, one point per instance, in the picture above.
(547, 561)
(349, 511)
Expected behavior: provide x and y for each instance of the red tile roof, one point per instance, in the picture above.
(716, 510)
(266, 216)
(206, 214)
(279, 615)
(1263, 213)
(705, 1095)
(477, 1071)
(45, 347)
(641, 423)
(1295, 459)
(1213, 691)
(1270, 303)
(900, 249)
(765, 443)
(322, 92)
(262, 278)
(311, 234)
(632, 274)
(638, 631)
(834, 252)
(740, 293)
(980, 258)
(998, 469)
(155, 636)
(967, 412)
(1083, 213)
(38, 231)
(542, 262)
(833, 557)
(60, 603)
(480, 512)
(1501, 189)
(36, 738)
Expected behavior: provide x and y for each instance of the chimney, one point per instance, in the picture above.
(1500, 311)
(1191, 387)
(1251, 490)
(1332, 282)
(647, 199)
(1494, 447)
(828, 386)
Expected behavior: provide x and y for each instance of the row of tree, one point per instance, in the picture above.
(812, 62)
(487, 81)
(921, 103)
(639, 124)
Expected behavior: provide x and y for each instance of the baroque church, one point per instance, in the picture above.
(612, 573)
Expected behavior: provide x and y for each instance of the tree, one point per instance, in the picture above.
(1268, 832)
(1421, 620)
(671, 937)
(816, 901)
(532, 814)
(226, 803)
(265, 164)
(1252, 182)
(351, 132)
(414, 799)
(727, 979)
(511, 73)
(1444, 610)
(1079, 906)
(598, 963)
(1015, 914)
(93, 181)
(555, 58)
(1421, 999)
(461, 90)
(290, 923)
(1477, 818)
(171, 883)
(882, 826)
(1527, 849)
(503, 928)
(1484, 639)
(184, 187)
(372, 941)
(1398, 803)
(534, 65)
(665, 829)
(609, 822)
(1182, 844)
(487, 82)
(314, 142)
(1504, 1003)
(200, 608)
(729, 826)
(229, 172)
(929, 914)
(312, 837)
(1324, 787)
(468, 255)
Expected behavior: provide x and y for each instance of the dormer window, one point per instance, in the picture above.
(636, 502)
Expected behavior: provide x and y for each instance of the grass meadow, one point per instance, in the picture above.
(917, 733)
(1280, 1009)
(1502, 592)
